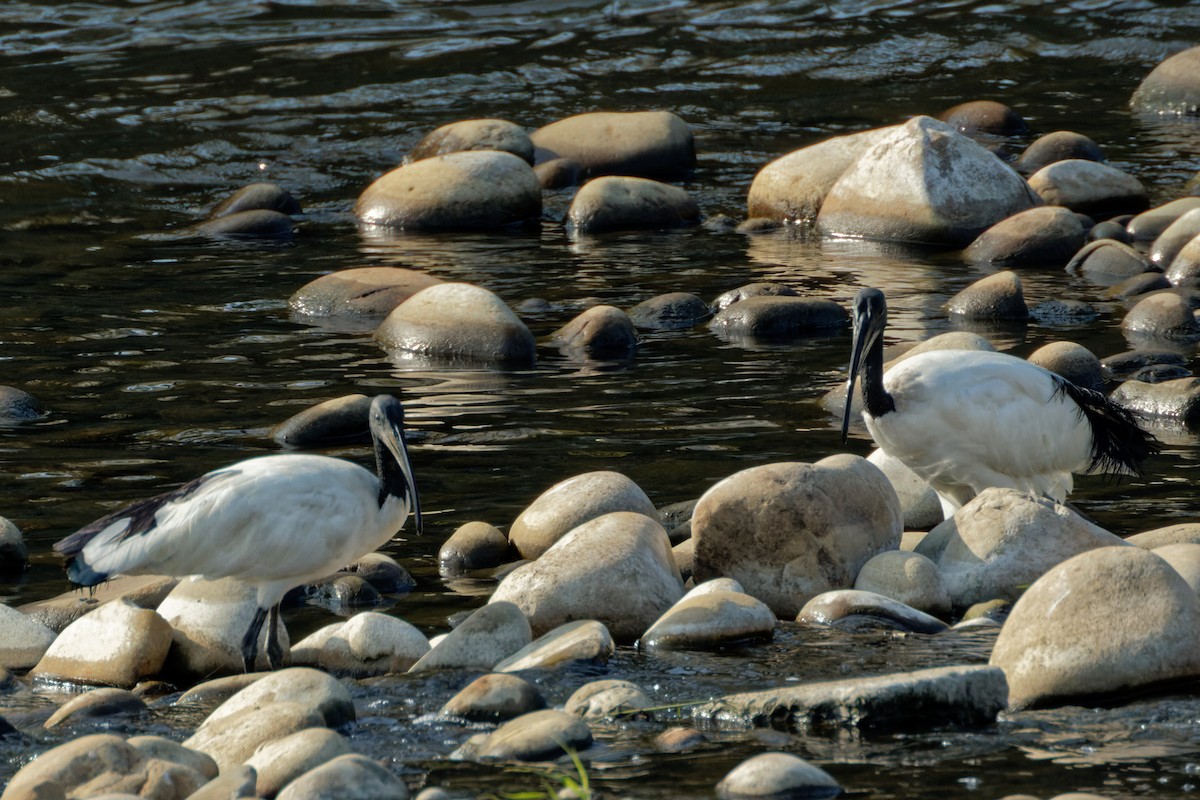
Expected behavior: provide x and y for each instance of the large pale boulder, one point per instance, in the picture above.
(310, 688)
(456, 321)
(620, 202)
(789, 531)
(1106, 621)
(569, 503)
(919, 503)
(118, 644)
(1173, 87)
(647, 144)
(470, 189)
(909, 186)
(1005, 539)
(617, 569)
(793, 187)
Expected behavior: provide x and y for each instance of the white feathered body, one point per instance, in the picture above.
(274, 522)
(967, 420)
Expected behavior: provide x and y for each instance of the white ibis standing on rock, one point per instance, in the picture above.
(273, 522)
(967, 420)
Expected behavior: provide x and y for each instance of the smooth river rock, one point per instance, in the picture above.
(619, 202)
(1176, 400)
(1057, 146)
(23, 640)
(1089, 187)
(855, 605)
(909, 578)
(310, 688)
(598, 332)
(472, 546)
(710, 620)
(1172, 87)
(364, 294)
(646, 144)
(583, 641)
(617, 569)
(999, 296)
(233, 738)
(348, 777)
(1106, 621)
(456, 321)
(789, 531)
(475, 134)
(1047, 236)
(537, 736)
(608, 699)
(485, 638)
(908, 186)
(270, 196)
(337, 420)
(774, 776)
(494, 698)
(368, 643)
(470, 189)
(919, 503)
(278, 763)
(118, 644)
(768, 316)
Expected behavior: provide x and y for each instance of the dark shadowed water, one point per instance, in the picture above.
(161, 355)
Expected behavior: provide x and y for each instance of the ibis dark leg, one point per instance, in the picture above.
(274, 646)
(250, 642)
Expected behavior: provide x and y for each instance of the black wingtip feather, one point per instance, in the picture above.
(1119, 443)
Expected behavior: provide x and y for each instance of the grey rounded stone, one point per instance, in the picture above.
(919, 503)
(310, 688)
(342, 593)
(537, 736)
(996, 297)
(257, 196)
(1184, 558)
(582, 641)
(1071, 360)
(1175, 400)
(278, 763)
(607, 699)
(23, 640)
(493, 698)
(477, 189)
(761, 289)
(852, 605)
(340, 419)
(671, 311)
(363, 294)
(252, 224)
(1057, 146)
(234, 737)
(789, 531)
(1005, 539)
(1139, 284)
(598, 332)
(118, 644)
(367, 644)
(1089, 187)
(569, 503)
(616, 568)
(1109, 230)
(779, 316)
(1162, 315)
(1108, 620)
(108, 702)
(909, 184)
(475, 134)
(1179, 533)
(710, 620)
(18, 405)
(485, 638)
(618, 202)
(1172, 240)
(1107, 258)
(679, 740)
(1047, 236)
(777, 776)
(457, 321)
(383, 572)
(1149, 225)
(647, 144)
(1171, 87)
(908, 578)
(984, 116)
(473, 546)
(348, 777)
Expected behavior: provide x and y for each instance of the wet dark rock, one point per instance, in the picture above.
(756, 225)
(108, 702)
(13, 551)
(832, 608)
(1172, 87)
(341, 419)
(253, 224)
(1162, 315)
(1071, 360)
(1089, 187)
(726, 299)
(969, 696)
(257, 196)
(1122, 366)
(779, 316)
(1063, 312)
(383, 572)
(1149, 225)
(1139, 284)
(984, 116)
(366, 293)
(18, 405)
(671, 311)
(344, 592)
(1108, 258)
(1108, 230)
(1057, 146)
(475, 134)
(647, 144)
(618, 202)
(474, 189)
(475, 545)
(679, 740)
(1177, 400)
(493, 698)
(1039, 237)
(996, 297)
(777, 776)
(1175, 238)
(599, 332)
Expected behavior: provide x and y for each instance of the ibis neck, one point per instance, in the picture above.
(876, 400)
(391, 476)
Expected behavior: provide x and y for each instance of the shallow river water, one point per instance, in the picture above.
(160, 355)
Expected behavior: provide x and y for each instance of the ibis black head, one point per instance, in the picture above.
(870, 318)
(391, 453)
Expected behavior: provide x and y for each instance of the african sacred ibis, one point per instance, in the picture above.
(965, 420)
(273, 522)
